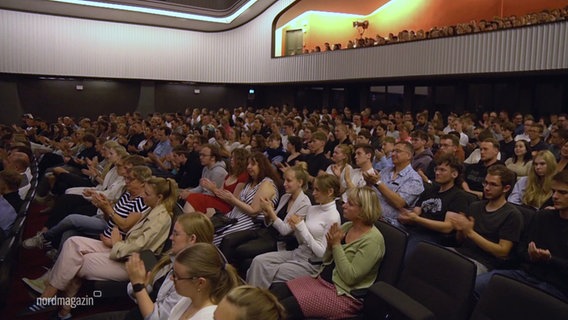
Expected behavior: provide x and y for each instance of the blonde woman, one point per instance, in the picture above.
(535, 189)
(202, 277)
(85, 258)
(356, 248)
(248, 302)
(309, 230)
(341, 163)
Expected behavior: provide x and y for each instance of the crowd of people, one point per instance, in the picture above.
(266, 191)
(474, 26)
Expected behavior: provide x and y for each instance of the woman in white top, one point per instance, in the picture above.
(202, 277)
(310, 232)
(341, 157)
(521, 162)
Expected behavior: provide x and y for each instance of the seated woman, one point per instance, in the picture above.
(157, 296)
(234, 183)
(535, 190)
(294, 147)
(310, 230)
(248, 244)
(202, 277)
(341, 162)
(85, 258)
(67, 204)
(124, 214)
(262, 184)
(352, 259)
(521, 161)
(248, 302)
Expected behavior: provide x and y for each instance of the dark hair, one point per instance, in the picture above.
(508, 177)
(265, 168)
(453, 162)
(215, 152)
(455, 140)
(528, 156)
(296, 142)
(419, 134)
(241, 156)
(561, 177)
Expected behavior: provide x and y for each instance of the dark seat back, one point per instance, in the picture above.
(440, 279)
(506, 298)
(396, 241)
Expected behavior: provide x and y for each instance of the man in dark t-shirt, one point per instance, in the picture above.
(492, 227)
(544, 252)
(317, 161)
(474, 174)
(427, 221)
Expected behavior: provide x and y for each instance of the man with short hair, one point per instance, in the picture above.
(399, 186)
(507, 145)
(544, 252)
(428, 220)
(475, 173)
(317, 161)
(535, 133)
(364, 161)
(490, 228)
(449, 144)
(422, 156)
(213, 170)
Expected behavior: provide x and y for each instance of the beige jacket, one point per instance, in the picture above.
(149, 233)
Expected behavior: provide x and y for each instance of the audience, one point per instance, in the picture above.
(426, 202)
(248, 302)
(351, 261)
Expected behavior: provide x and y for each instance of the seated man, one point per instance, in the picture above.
(544, 251)
(475, 174)
(491, 227)
(213, 169)
(428, 220)
(10, 181)
(20, 162)
(399, 186)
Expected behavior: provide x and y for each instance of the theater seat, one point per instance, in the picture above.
(436, 283)
(506, 298)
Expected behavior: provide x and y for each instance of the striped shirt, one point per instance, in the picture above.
(244, 221)
(123, 207)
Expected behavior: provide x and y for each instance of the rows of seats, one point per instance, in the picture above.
(12, 240)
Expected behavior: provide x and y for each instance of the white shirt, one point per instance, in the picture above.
(203, 314)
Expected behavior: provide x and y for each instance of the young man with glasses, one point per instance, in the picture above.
(492, 227)
(398, 186)
(213, 170)
(544, 252)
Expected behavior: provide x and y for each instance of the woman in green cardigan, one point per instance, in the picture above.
(354, 253)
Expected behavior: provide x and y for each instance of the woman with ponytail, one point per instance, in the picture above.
(202, 277)
(85, 258)
(248, 302)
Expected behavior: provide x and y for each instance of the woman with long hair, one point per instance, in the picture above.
(189, 229)
(341, 157)
(233, 183)
(535, 189)
(309, 229)
(352, 259)
(85, 258)
(262, 183)
(521, 161)
(202, 277)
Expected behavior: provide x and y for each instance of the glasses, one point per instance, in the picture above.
(491, 184)
(175, 277)
(400, 151)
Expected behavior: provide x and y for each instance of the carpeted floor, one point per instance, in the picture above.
(32, 264)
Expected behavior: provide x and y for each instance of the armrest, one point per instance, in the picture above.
(398, 302)
(315, 260)
(359, 293)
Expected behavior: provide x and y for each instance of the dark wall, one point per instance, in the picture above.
(49, 98)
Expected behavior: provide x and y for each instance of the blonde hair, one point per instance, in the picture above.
(300, 170)
(347, 151)
(204, 260)
(539, 189)
(326, 182)
(141, 173)
(192, 223)
(255, 303)
(367, 199)
(167, 188)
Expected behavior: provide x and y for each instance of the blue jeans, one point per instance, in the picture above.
(74, 225)
(482, 282)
